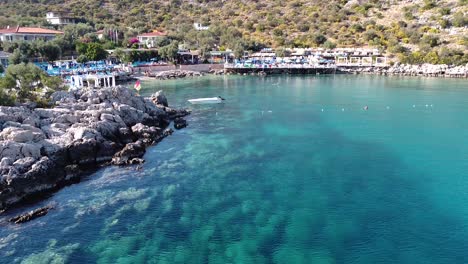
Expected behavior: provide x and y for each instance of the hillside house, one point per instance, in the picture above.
(151, 39)
(60, 18)
(11, 34)
(200, 27)
(4, 58)
(100, 34)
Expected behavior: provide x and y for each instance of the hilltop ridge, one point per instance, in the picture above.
(400, 27)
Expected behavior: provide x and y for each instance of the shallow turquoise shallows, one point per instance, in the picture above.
(287, 170)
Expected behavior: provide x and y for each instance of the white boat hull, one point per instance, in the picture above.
(213, 100)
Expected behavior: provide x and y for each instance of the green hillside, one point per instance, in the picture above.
(416, 31)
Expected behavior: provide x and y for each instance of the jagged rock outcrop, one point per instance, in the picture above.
(131, 151)
(159, 98)
(179, 123)
(26, 217)
(43, 149)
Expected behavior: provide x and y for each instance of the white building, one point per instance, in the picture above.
(199, 26)
(100, 34)
(60, 18)
(11, 34)
(150, 39)
(4, 58)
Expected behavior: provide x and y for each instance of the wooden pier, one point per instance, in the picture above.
(340, 65)
(280, 69)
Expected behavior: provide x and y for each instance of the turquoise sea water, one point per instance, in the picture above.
(287, 170)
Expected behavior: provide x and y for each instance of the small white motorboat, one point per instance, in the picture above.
(209, 100)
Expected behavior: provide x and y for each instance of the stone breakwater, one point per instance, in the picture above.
(218, 72)
(174, 74)
(42, 149)
(428, 70)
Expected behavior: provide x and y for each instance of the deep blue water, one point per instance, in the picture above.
(287, 170)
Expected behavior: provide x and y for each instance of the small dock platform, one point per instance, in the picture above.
(92, 80)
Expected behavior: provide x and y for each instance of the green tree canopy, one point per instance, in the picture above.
(122, 55)
(27, 82)
(71, 33)
(169, 52)
(81, 47)
(22, 53)
(318, 39)
(6, 98)
(82, 58)
(282, 53)
(95, 52)
(16, 57)
(49, 50)
(329, 44)
(161, 42)
(239, 48)
(460, 19)
(430, 40)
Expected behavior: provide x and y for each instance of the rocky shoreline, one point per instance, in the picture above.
(218, 72)
(43, 149)
(173, 74)
(427, 70)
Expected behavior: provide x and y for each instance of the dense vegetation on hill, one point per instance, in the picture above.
(415, 31)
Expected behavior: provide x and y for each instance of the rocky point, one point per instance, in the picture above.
(43, 149)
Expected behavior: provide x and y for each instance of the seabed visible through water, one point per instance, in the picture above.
(290, 169)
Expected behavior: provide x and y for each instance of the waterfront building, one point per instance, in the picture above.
(188, 56)
(11, 34)
(218, 56)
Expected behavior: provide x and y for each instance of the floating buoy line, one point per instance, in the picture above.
(367, 108)
(362, 108)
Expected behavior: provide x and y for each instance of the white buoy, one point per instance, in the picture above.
(388, 107)
(342, 109)
(414, 106)
(427, 105)
(322, 109)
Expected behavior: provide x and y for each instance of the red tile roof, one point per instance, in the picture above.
(155, 33)
(29, 30)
